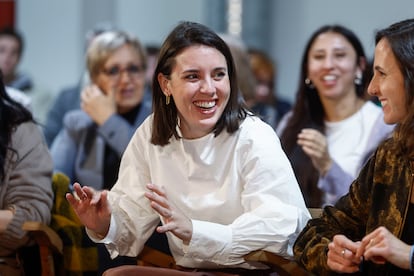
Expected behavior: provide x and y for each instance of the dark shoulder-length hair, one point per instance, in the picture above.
(184, 35)
(400, 37)
(11, 115)
(307, 110)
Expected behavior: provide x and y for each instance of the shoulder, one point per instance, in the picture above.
(144, 131)
(27, 134)
(283, 122)
(253, 128)
(70, 93)
(375, 116)
(386, 151)
(68, 98)
(19, 97)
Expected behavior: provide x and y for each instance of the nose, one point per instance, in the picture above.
(124, 73)
(207, 86)
(372, 88)
(328, 62)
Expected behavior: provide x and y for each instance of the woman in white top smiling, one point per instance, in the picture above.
(332, 129)
(213, 174)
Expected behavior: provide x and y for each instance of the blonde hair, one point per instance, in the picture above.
(105, 44)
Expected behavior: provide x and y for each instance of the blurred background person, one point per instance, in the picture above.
(153, 52)
(245, 78)
(25, 181)
(270, 107)
(332, 125)
(69, 98)
(89, 147)
(370, 231)
(11, 51)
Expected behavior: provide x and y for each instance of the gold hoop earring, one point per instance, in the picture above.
(167, 99)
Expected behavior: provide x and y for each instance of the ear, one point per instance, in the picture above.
(164, 84)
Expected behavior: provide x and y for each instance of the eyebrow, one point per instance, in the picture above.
(378, 68)
(197, 70)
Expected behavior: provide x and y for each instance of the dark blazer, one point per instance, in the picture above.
(380, 196)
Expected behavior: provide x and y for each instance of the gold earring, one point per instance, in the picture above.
(167, 99)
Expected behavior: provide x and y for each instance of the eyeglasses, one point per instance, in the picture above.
(115, 72)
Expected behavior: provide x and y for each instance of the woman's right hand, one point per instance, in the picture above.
(92, 208)
(342, 255)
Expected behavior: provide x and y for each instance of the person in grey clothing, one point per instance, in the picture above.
(89, 147)
(25, 178)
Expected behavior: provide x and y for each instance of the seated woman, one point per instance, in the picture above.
(211, 172)
(25, 179)
(89, 147)
(371, 229)
(332, 129)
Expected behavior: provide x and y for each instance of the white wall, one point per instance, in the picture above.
(154, 20)
(294, 22)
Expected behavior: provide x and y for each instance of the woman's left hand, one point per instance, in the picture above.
(314, 144)
(381, 245)
(174, 220)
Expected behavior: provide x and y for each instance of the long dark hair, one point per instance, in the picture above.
(400, 37)
(12, 114)
(308, 112)
(184, 35)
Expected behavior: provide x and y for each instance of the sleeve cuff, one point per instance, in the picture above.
(109, 238)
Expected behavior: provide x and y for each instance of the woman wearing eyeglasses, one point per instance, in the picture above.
(89, 147)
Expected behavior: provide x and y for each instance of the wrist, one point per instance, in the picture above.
(326, 168)
(411, 258)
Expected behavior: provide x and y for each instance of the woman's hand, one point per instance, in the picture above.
(174, 220)
(314, 144)
(98, 105)
(342, 255)
(92, 208)
(381, 245)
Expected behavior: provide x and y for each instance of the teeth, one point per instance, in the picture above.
(329, 77)
(205, 104)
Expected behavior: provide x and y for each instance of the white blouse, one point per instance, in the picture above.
(239, 191)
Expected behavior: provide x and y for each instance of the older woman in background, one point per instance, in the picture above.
(90, 146)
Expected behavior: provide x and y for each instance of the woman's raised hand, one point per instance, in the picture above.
(92, 208)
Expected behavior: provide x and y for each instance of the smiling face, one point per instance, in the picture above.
(200, 86)
(332, 65)
(388, 84)
(124, 74)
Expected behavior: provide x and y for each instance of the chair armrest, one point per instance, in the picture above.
(153, 257)
(281, 265)
(44, 235)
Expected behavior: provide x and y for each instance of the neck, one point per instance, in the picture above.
(338, 110)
